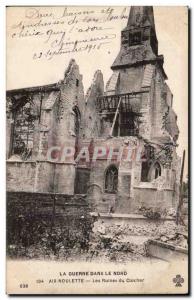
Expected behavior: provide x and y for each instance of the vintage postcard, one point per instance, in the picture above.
(97, 150)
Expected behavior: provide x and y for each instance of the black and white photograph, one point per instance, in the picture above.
(97, 180)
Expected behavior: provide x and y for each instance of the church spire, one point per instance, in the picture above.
(141, 16)
(138, 39)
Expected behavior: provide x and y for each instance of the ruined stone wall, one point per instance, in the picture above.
(39, 98)
(44, 176)
(64, 178)
(157, 108)
(20, 176)
(161, 108)
(23, 111)
(40, 176)
(91, 124)
(125, 188)
(152, 197)
(30, 176)
(71, 95)
(132, 191)
(53, 127)
(127, 171)
(130, 79)
(145, 127)
(46, 126)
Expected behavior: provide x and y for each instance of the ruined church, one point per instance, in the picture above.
(134, 110)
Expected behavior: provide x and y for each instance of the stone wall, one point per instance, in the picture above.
(152, 197)
(91, 123)
(130, 79)
(64, 178)
(129, 172)
(21, 176)
(40, 176)
(71, 95)
(30, 176)
(43, 224)
(64, 204)
(145, 126)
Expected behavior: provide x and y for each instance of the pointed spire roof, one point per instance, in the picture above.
(138, 39)
(141, 16)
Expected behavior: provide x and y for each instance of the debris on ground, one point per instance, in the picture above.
(120, 242)
(116, 241)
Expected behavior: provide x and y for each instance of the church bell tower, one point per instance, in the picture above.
(138, 39)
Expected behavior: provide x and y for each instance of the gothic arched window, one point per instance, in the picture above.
(157, 168)
(76, 120)
(25, 115)
(111, 180)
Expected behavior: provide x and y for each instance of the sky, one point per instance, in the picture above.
(25, 68)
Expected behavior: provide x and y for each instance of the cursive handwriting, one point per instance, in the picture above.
(67, 30)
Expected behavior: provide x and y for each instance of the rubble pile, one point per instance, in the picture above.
(172, 234)
(114, 249)
(114, 242)
(111, 243)
(156, 213)
(151, 229)
(128, 229)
